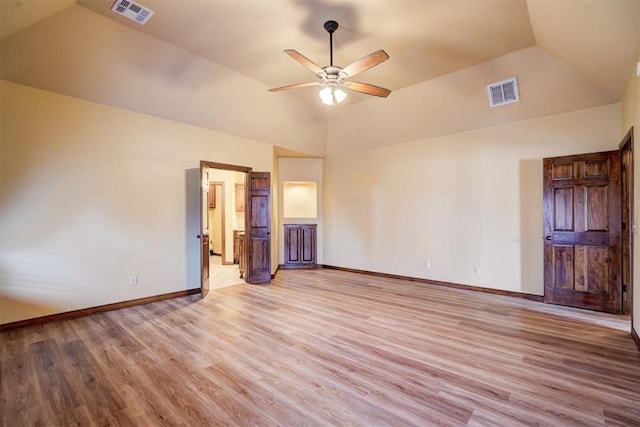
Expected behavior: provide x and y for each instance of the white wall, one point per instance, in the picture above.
(91, 195)
(460, 201)
(300, 169)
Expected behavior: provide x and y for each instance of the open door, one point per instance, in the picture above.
(582, 231)
(204, 230)
(258, 227)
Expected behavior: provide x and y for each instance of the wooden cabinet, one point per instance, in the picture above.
(243, 258)
(300, 245)
(238, 235)
(205, 256)
(238, 251)
(239, 197)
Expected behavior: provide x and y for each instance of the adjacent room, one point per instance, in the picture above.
(323, 212)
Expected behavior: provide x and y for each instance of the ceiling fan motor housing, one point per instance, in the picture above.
(330, 26)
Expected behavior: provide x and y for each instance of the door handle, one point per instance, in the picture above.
(198, 236)
(547, 237)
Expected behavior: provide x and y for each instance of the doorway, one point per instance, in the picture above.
(223, 222)
(254, 202)
(588, 229)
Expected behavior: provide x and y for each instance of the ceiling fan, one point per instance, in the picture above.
(333, 78)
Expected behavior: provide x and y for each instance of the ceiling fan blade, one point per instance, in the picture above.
(367, 88)
(304, 60)
(364, 63)
(295, 86)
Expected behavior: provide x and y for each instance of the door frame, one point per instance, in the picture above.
(626, 147)
(204, 285)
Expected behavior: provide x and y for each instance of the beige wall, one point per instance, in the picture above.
(631, 117)
(91, 195)
(300, 169)
(126, 68)
(460, 201)
(72, 237)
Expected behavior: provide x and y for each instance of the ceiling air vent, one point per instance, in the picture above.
(504, 92)
(132, 10)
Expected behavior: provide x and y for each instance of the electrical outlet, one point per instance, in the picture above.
(133, 280)
(427, 264)
(476, 270)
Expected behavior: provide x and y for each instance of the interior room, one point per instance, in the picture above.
(223, 222)
(319, 212)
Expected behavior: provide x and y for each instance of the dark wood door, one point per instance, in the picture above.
(308, 247)
(258, 227)
(582, 231)
(291, 244)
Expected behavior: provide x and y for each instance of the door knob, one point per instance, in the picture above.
(198, 236)
(547, 237)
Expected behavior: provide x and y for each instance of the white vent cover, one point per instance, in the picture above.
(132, 10)
(504, 92)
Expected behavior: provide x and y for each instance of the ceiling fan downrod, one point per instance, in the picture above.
(331, 26)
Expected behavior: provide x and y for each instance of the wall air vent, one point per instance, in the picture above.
(504, 92)
(132, 10)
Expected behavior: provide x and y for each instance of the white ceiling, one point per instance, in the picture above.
(210, 62)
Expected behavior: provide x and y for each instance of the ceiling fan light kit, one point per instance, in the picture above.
(332, 96)
(333, 78)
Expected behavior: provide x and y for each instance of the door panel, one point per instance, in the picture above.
(582, 231)
(563, 212)
(308, 245)
(597, 208)
(258, 227)
(563, 262)
(292, 245)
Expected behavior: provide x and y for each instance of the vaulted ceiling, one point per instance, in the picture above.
(209, 63)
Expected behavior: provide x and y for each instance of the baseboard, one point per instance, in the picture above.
(92, 310)
(297, 267)
(531, 297)
(636, 338)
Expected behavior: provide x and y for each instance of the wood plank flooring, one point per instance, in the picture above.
(326, 347)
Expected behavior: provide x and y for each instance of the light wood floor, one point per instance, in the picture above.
(326, 348)
(221, 276)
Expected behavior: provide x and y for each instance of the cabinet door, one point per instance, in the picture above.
(308, 244)
(300, 245)
(292, 244)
